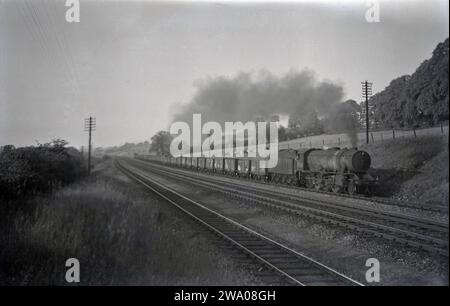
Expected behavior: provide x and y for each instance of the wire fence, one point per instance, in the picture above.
(344, 140)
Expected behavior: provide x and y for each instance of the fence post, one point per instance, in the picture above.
(339, 141)
(414, 131)
(371, 135)
(442, 128)
(393, 134)
(323, 141)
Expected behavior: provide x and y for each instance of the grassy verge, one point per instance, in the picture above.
(120, 233)
(412, 168)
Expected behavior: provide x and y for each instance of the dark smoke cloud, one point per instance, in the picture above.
(249, 96)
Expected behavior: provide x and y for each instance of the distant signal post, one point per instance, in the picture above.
(367, 93)
(89, 126)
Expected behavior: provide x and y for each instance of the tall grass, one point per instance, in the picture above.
(120, 234)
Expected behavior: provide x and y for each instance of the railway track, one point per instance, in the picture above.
(374, 199)
(418, 233)
(294, 267)
(381, 200)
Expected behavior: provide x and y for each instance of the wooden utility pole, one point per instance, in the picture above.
(367, 92)
(89, 126)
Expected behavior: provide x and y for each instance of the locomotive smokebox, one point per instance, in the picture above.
(355, 160)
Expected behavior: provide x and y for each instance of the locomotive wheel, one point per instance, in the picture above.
(351, 188)
(336, 189)
(368, 191)
(318, 186)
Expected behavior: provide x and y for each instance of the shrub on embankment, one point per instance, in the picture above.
(34, 169)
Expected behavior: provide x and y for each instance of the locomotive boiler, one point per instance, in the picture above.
(337, 160)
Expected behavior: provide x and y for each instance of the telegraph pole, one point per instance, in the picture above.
(366, 93)
(89, 126)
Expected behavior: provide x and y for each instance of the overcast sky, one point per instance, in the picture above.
(129, 62)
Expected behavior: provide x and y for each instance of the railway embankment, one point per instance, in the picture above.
(411, 169)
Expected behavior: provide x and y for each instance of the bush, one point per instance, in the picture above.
(33, 169)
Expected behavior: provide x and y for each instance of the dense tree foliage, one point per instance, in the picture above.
(38, 168)
(420, 99)
(161, 143)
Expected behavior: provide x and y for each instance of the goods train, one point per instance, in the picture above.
(339, 170)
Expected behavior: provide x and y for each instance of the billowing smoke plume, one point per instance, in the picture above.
(343, 118)
(249, 96)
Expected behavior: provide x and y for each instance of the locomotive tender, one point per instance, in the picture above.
(334, 169)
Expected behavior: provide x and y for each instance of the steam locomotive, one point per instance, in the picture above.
(334, 169)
